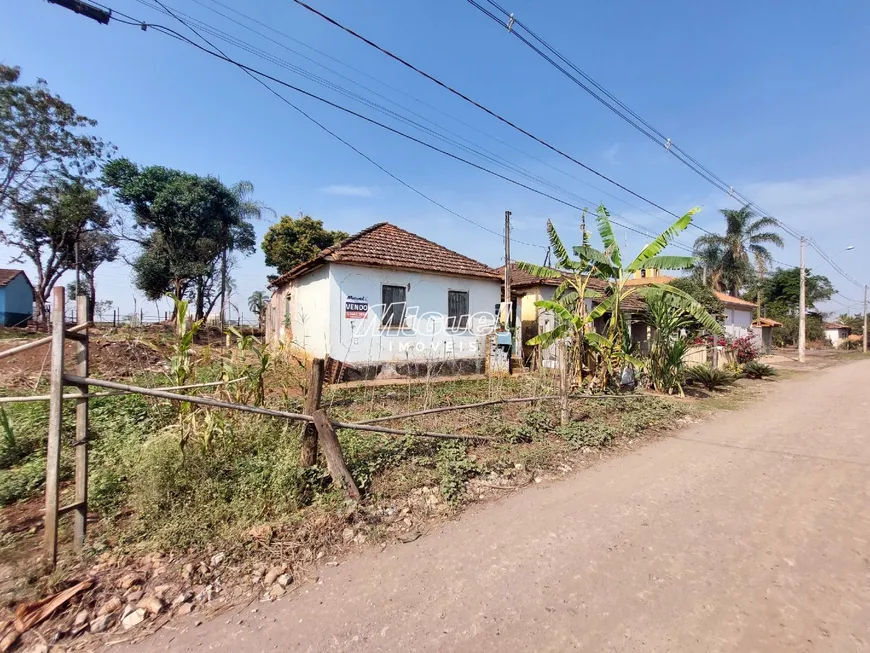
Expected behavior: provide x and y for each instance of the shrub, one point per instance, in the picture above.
(590, 433)
(649, 413)
(756, 370)
(709, 377)
(743, 348)
(454, 467)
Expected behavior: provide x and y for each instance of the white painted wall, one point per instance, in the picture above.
(836, 336)
(299, 313)
(738, 322)
(364, 340)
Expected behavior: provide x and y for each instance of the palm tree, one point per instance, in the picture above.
(247, 209)
(730, 258)
(257, 305)
(257, 301)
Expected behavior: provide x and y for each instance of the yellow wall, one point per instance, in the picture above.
(528, 310)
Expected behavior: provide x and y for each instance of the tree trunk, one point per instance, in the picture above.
(224, 279)
(200, 299)
(92, 295)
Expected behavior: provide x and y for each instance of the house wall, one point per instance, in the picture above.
(299, 313)
(738, 321)
(16, 302)
(360, 341)
(836, 336)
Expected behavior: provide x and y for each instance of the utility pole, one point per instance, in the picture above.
(865, 318)
(507, 267)
(802, 324)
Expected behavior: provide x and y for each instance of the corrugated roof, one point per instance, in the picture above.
(837, 325)
(7, 275)
(386, 245)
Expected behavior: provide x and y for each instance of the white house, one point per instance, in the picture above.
(738, 315)
(837, 332)
(738, 312)
(387, 302)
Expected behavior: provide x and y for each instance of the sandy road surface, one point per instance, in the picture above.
(750, 532)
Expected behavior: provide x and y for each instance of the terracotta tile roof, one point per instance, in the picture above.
(766, 322)
(730, 300)
(837, 325)
(521, 279)
(386, 245)
(7, 275)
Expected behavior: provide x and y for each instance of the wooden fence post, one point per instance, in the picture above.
(55, 422)
(334, 458)
(308, 455)
(81, 439)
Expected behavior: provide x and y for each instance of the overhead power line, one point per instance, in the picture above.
(173, 33)
(485, 154)
(392, 88)
(516, 28)
(482, 107)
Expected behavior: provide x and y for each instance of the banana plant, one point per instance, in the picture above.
(569, 304)
(575, 321)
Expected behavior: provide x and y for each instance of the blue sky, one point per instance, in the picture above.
(771, 96)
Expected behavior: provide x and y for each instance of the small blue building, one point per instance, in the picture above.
(16, 298)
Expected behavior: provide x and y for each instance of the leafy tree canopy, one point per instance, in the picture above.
(182, 222)
(42, 140)
(703, 295)
(855, 322)
(781, 291)
(295, 240)
(47, 226)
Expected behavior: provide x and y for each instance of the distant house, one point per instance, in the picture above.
(738, 312)
(16, 298)
(837, 332)
(763, 329)
(526, 289)
(386, 302)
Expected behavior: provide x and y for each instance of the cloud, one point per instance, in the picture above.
(345, 190)
(611, 154)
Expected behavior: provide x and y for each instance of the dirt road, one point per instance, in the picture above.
(750, 532)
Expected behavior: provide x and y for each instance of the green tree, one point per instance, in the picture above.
(854, 322)
(41, 140)
(295, 240)
(702, 294)
(668, 342)
(183, 224)
(247, 209)
(787, 334)
(46, 228)
(782, 291)
(95, 248)
(729, 258)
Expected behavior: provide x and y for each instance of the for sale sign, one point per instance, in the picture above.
(356, 308)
